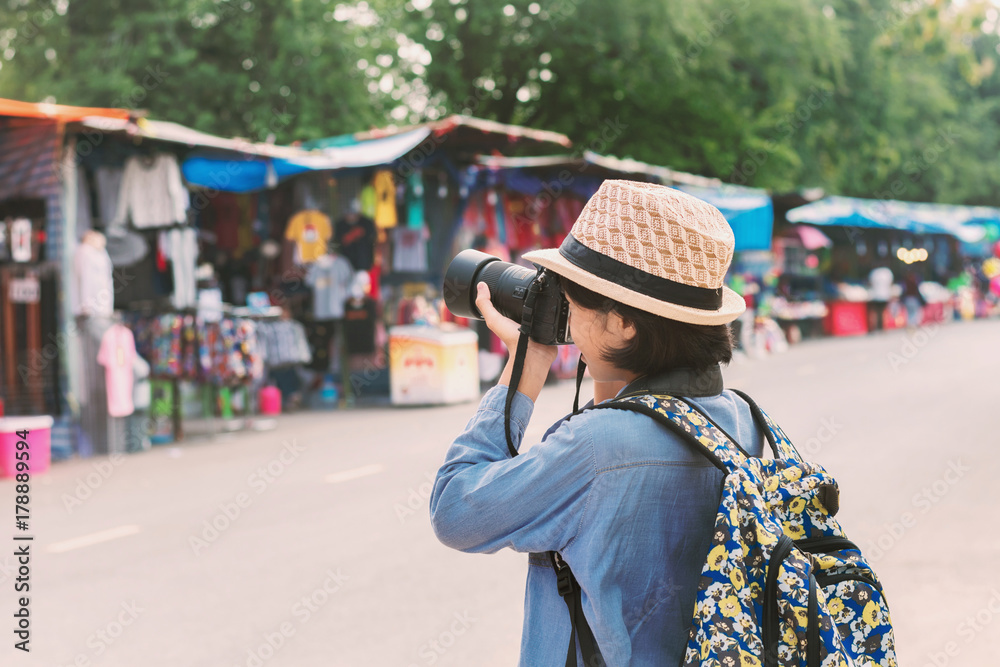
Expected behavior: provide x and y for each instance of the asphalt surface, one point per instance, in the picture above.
(311, 544)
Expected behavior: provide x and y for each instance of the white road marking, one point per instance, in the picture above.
(354, 473)
(92, 539)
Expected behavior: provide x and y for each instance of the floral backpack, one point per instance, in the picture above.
(782, 584)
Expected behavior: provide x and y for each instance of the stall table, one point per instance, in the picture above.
(846, 318)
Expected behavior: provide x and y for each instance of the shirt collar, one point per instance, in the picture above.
(687, 382)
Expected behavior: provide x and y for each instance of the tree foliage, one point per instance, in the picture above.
(873, 98)
(233, 67)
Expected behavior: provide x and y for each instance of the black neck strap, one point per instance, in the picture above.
(662, 289)
(581, 366)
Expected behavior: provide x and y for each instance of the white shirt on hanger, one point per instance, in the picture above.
(152, 193)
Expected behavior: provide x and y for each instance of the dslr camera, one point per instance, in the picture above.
(532, 298)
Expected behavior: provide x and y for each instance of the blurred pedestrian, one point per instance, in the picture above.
(880, 282)
(913, 300)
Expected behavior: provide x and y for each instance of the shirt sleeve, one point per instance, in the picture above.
(484, 500)
(179, 198)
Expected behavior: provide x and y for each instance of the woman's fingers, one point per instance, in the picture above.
(504, 327)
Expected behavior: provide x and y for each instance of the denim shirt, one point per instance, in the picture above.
(627, 503)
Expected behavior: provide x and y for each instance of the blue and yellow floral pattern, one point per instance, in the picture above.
(762, 500)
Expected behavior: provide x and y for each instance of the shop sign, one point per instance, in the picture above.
(25, 290)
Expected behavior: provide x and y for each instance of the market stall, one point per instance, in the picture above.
(879, 247)
(362, 227)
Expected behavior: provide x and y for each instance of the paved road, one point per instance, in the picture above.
(310, 544)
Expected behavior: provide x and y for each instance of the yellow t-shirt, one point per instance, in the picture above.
(385, 203)
(310, 230)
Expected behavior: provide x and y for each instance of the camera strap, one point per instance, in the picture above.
(527, 314)
(581, 366)
(515, 379)
(569, 589)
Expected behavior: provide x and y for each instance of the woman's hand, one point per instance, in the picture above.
(538, 358)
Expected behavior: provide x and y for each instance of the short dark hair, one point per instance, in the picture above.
(659, 344)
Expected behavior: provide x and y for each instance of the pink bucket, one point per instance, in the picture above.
(270, 401)
(39, 432)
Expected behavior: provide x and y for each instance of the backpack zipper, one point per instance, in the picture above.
(825, 580)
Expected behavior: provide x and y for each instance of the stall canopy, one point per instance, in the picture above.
(230, 164)
(749, 211)
(464, 130)
(245, 167)
(256, 170)
(964, 222)
(58, 112)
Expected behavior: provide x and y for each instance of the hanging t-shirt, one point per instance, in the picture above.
(310, 230)
(226, 210)
(152, 193)
(368, 201)
(356, 242)
(409, 250)
(415, 200)
(330, 277)
(359, 326)
(117, 355)
(385, 204)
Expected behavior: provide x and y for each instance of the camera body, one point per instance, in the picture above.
(525, 296)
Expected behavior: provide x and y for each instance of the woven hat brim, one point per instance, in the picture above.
(732, 307)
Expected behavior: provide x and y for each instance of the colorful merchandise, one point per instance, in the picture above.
(310, 230)
(152, 193)
(223, 353)
(415, 200)
(368, 201)
(330, 278)
(409, 250)
(385, 205)
(117, 355)
(283, 343)
(524, 216)
(355, 240)
(270, 400)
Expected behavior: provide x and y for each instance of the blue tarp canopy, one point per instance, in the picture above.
(749, 212)
(964, 222)
(251, 172)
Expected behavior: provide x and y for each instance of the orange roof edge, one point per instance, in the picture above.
(67, 114)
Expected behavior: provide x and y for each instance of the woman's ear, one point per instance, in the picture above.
(622, 330)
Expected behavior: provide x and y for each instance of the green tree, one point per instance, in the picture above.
(257, 69)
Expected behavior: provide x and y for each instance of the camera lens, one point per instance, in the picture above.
(508, 284)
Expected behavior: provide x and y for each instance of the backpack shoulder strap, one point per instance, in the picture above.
(780, 444)
(688, 423)
(693, 427)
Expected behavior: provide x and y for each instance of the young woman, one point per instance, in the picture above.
(626, 503)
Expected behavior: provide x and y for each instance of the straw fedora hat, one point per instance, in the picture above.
(651, 247)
